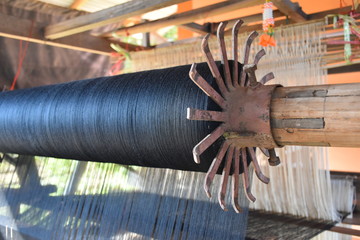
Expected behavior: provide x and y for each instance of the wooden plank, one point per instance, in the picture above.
(258, 27)
(337, 104)
(352, 221)
(345, 69)
(323, 14)
(16, 28)
(301, 123)
(343, 230)
(188, 17)
(326, 90)
(107, 16)
(293, 10)
(249, 19)
(194, 27)
(212, 27)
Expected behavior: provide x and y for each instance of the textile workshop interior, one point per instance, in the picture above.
(230, 133)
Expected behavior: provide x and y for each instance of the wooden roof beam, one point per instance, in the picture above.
(187, 17)
(248, 19)
(293, 10)
(17, 28)
(198, 28)
(323, 14)
(104, 17)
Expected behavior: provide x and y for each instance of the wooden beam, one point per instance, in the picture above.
(258, 27)
(76, 4)
(189, 16)
(345, 69)
(15, 28)
(194, 27)
(352, 221)
(249, 19)
(107, 16)
(335, 105)
(343, 230)
(293, 10)
(323, 14)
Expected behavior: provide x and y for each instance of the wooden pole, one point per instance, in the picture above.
(323, 115)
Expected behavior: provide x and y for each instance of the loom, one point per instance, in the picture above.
(106, 119)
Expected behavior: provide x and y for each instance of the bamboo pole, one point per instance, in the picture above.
(323, 115)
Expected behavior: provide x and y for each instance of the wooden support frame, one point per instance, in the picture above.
(198, 28)
(293, 10)
(188, 17)
(250, 19)
(80, 42)
(107, 16)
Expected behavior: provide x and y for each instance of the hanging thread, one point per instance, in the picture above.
(21, 57)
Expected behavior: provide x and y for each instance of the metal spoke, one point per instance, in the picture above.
(264, 151)
(212, 65)
(235, 182)
(246, 176)
(267, 77)
(225, 177)
(215, 167)
(206, 142)
(224, 59)
(249, 41)
(273, 160)
(250, 70)
(235, 50)
(258, 171)
(259, 55)
(205, 115)
(206, 87)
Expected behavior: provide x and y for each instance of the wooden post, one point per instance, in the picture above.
(323, 115)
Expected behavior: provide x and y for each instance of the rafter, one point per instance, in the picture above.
(293, 10)
(189, 16)
(16, 28)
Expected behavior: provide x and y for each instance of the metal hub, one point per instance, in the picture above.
(245, 116)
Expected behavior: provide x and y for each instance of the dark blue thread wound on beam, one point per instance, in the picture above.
(132, 119)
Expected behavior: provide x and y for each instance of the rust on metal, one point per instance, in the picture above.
(259, 55)
(248, 43)
(250, 70)
(258, 171)
(273, 160)
(205, 87)
(225, 177)
(264, 151)
(204, 115)
(245, 175)
(224, 58)
(235, 182)
(207, 142)
(267, 78)
(235, 70)
(212, 65)
(248, 122)
(214, 167)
